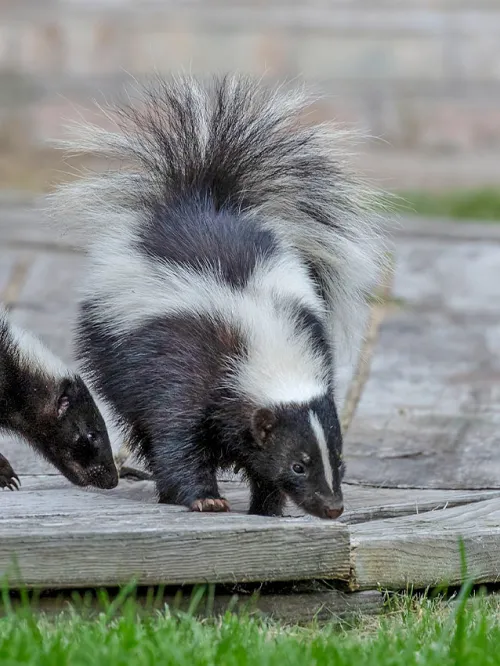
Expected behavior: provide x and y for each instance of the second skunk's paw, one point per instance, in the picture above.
(8, 478)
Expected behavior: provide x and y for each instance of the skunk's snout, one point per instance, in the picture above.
(335, 513)
(328, 507)
(105, 477)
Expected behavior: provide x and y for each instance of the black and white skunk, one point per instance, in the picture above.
(49, 406)
(227, 265)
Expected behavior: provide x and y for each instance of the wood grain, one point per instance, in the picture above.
(68, 538)
(424, 550)
(320, 606)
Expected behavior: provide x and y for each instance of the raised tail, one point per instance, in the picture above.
(246, 147)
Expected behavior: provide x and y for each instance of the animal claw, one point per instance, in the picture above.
(8, 478)
(210, 505)
(12, 484)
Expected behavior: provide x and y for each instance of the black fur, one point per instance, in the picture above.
(310, 322)
(222, 180)
(291, 441)
(56, 415)
(222, 240)
(169, 381)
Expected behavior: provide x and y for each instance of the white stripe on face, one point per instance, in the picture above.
(319, 433)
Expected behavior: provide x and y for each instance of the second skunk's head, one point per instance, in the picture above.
(68, 429)
(299, 450)
(52, 408)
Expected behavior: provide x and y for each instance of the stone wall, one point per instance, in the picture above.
(420, 76)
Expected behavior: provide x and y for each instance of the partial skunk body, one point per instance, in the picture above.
(226, 268)
(48, 405)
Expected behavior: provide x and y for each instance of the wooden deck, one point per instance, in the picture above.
(422, 448)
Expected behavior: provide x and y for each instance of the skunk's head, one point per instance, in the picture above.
(52, 408)
(80, 447)
(63, 423)
(298, 448)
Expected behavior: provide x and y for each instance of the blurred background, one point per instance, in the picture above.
(422, 77)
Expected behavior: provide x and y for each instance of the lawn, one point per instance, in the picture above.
(412, 631)
(481, 204)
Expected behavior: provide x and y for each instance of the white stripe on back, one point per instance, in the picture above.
(282, 365)
(323, 447)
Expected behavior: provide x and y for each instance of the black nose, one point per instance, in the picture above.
(105, 479)
(333, 514)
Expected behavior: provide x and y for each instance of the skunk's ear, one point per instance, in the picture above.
(62, 405)
(64, 399)
(263, 423)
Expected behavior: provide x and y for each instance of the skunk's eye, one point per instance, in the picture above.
(89, 441)
(299, 469)
(62, 406)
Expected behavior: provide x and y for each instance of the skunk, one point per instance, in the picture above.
(49, 406)
(230, 258)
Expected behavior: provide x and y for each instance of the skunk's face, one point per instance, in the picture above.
(300, 451)
(72, 435)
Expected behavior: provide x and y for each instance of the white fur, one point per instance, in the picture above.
(281, 366)
(34, 355)
(285, 276)
(319, 433)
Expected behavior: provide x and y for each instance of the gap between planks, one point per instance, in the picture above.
(362, 371)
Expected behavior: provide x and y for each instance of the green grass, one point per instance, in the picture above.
(413, 632)
(482, 204)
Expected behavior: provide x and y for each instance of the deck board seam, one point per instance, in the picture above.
(361, 374)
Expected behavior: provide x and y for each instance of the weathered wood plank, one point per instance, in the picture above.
(295, 604)
(430, 413)
(298, 608)
(60, 535)
(424, 550)
(362, 503)
(70, 538)
(383, 503)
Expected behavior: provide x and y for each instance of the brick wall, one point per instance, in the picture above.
(421, 75)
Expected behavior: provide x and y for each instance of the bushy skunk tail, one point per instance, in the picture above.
(245, 147)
